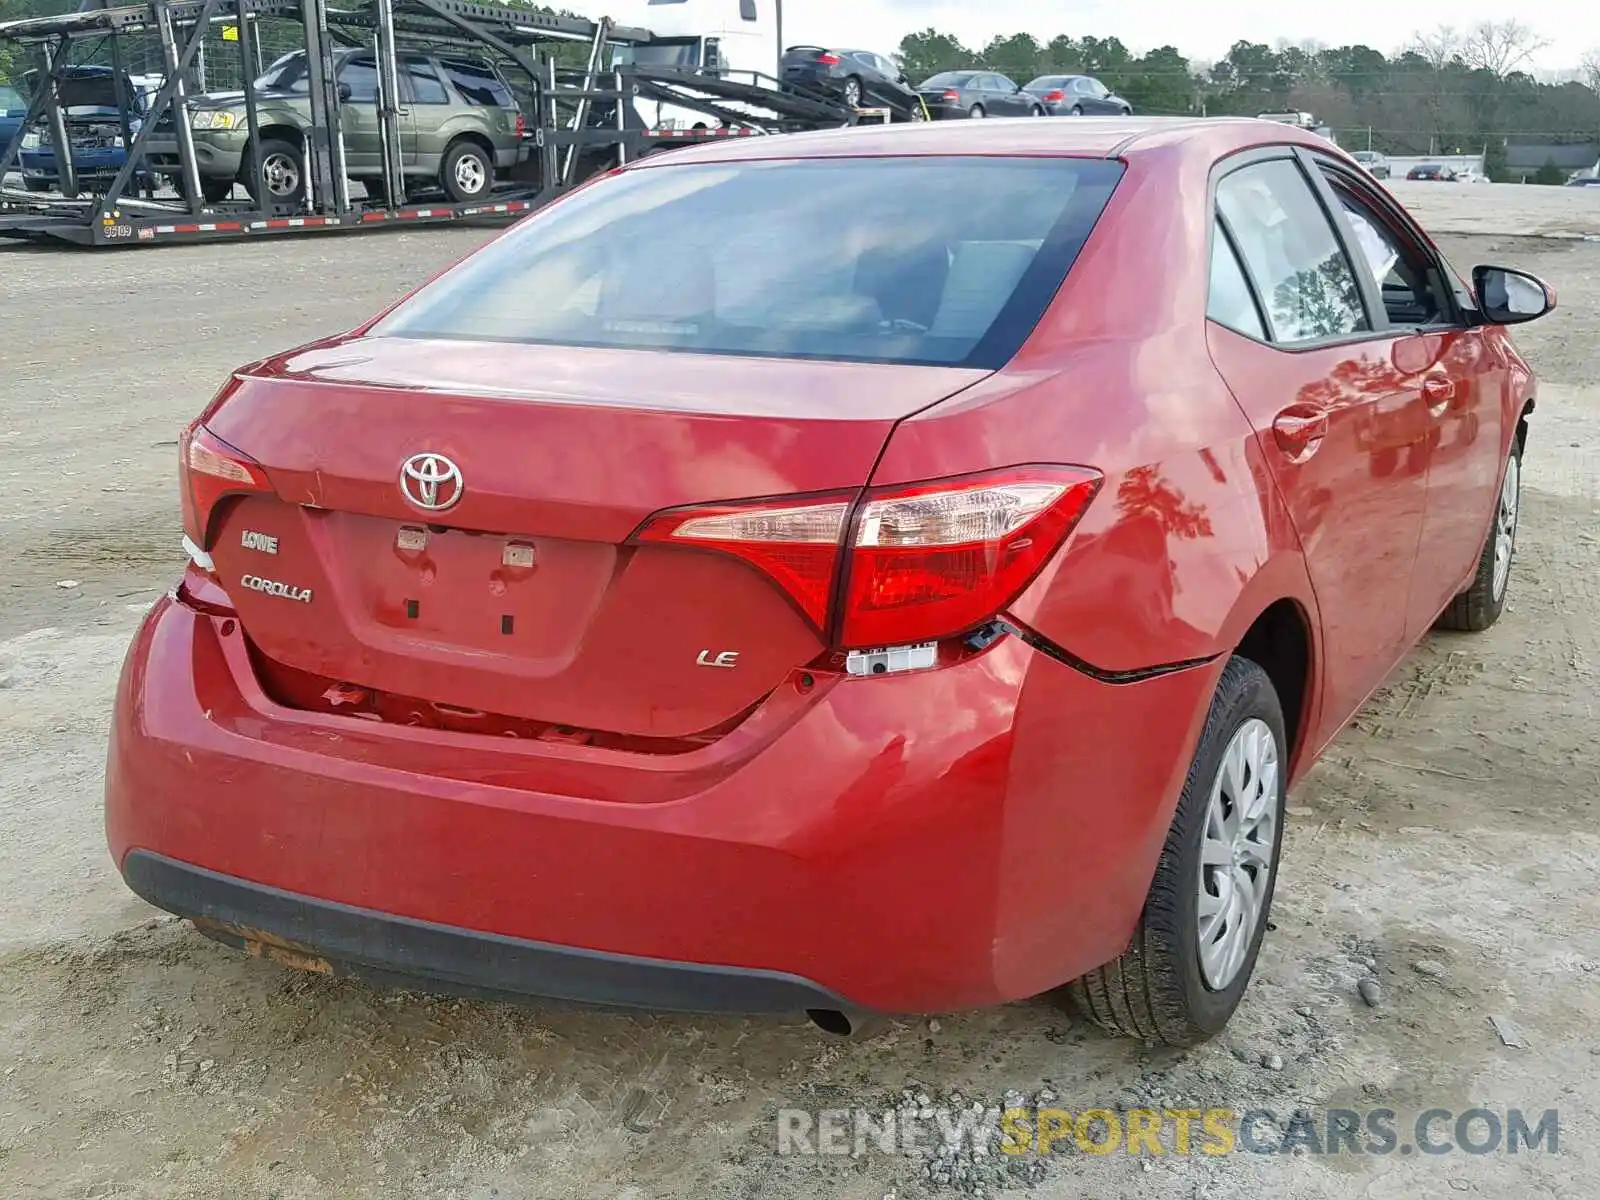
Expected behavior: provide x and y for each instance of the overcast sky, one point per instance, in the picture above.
(1200, 29)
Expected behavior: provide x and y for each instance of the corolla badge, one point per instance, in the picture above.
(431, 481)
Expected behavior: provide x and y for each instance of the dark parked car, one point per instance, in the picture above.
(1432, 173)
(1584, 181)
(1077, 96)
(978, 94)
(12, 109)
(860, 78)
(89, 98)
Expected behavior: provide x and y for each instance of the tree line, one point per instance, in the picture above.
(1448, 91)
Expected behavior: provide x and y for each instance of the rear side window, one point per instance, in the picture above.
(426, 87)
(478, 85)
(1290, 250)
(1230, 302)
(816, 258)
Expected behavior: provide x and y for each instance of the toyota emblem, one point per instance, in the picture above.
(431, 481)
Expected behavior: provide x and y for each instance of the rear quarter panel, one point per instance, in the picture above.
(1185, 545)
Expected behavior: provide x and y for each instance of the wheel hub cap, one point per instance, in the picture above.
(1237, 848)
(1505, 526)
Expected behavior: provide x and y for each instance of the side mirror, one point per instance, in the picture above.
(1507, 297)
(345, 93)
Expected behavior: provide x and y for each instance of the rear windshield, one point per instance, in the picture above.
(947, 261)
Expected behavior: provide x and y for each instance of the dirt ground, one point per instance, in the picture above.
(1446, 849)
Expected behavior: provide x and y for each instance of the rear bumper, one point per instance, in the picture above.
(320, 935)
(925, 842)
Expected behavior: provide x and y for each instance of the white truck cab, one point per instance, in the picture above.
(737, 39)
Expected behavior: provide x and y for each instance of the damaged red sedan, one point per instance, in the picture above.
(887, 570)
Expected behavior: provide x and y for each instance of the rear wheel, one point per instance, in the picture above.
(1037, 111)
(1077, 110)
(1480, 606)
(1196, 943)
(976, 112)
(467, 173)
(852, 92)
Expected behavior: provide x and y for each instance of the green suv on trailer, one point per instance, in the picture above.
(460, 127)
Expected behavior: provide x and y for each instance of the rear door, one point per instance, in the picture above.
(1012, 100)
(1343, 429)
(358, 115)
(427, 104)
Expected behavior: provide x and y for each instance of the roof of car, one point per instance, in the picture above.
(1099, 137)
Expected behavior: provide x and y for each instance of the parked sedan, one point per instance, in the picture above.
(1077, 96)
(1584, 181)
(859, 78)
(1376, 164)
(977, 94)
(635, 609)
(1432, 173)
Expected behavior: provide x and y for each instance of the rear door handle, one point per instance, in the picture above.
(1299, 430)
(1438, 391)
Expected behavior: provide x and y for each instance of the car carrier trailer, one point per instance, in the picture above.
(583, 120)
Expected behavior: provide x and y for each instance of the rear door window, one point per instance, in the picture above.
(424, 82)
(1291, 252)
(477, 84)
(811, 258)
(360, 75)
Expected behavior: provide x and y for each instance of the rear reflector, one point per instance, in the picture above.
(921, 562)
(208, 470)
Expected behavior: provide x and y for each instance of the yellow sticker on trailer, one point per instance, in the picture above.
(230, 33)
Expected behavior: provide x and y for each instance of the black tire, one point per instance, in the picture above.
(1156, 990)
(976, 112)
(214, 190)
(854, 93)
(1480, 606)
(467, 172)
(1037, 111)
(283, 174)
(1077, 110)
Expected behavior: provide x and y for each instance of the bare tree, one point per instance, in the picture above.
(1589, 70)
(1500, 47)
(1436, 48)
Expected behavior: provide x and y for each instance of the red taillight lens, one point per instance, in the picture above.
(208, 470)
(1058, 94)
(522, 125)
(796, 542)
(952, 94)
(926, 561)
(935, 560)
(829, 59)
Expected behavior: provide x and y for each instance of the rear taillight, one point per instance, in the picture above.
(208, 470)
(795, 542)
(1052, 97)
(829, 59)
(920, 562)
(952, 94)
(522, 125)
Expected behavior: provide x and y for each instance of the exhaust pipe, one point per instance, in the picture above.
(858, 1027)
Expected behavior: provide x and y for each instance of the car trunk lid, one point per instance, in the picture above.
(522, 596)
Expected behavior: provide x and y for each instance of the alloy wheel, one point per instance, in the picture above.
(281, 174)
(1238, 844)
(470, 174)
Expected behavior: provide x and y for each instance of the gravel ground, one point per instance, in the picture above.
(1439, 870)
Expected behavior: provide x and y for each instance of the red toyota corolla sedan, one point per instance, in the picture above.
(889, 570)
